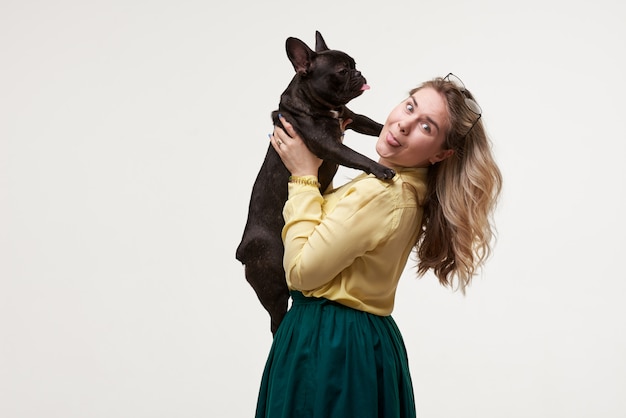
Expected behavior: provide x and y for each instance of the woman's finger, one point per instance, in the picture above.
(288, 126)
(280, 134)
(345, 123)
(276, 142)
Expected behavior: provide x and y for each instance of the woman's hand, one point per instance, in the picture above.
(294, 153)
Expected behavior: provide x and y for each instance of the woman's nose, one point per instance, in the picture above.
(403, 127)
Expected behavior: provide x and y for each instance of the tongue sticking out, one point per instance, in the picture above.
(365, 87)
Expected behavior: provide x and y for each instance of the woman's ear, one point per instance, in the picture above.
(441, 155)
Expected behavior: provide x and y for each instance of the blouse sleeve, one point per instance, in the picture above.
(319, 246)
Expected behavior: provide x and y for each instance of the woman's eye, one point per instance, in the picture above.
(409, 107)
(426, 127)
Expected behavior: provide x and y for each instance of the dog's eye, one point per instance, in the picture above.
(343, 71)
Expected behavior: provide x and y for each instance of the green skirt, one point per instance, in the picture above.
(328, 360)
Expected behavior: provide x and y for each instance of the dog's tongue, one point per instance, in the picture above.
(365, 87)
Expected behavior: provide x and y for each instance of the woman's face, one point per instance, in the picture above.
(414, 132)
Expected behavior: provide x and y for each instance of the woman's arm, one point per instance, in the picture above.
(319, 245)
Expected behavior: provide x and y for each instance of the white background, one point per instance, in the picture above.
(131, 132)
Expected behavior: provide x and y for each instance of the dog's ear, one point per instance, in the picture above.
(299, 54)
(320, 45)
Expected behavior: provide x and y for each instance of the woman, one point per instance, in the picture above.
(338, 352)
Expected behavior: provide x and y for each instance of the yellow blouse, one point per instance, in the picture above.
(352, 244)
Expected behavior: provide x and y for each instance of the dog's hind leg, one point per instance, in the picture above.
(267, 278)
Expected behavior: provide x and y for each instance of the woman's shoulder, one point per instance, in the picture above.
(364, 184)
(413, 175)
(368, 187)
(416, 177)
(413, 185)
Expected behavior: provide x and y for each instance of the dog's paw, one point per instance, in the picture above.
(384, 173)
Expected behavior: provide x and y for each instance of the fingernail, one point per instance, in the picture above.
(280, 115)
(269, 136)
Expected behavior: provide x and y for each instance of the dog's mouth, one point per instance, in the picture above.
(365, 87)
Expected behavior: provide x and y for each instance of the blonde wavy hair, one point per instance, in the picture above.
(457, 226)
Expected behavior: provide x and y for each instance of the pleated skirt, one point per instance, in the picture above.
(328, 360)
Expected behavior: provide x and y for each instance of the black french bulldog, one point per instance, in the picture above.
(314, 103)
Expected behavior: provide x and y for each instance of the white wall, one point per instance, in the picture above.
(131, 133)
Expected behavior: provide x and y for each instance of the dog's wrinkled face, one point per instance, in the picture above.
(331, 75)
(334, 77)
